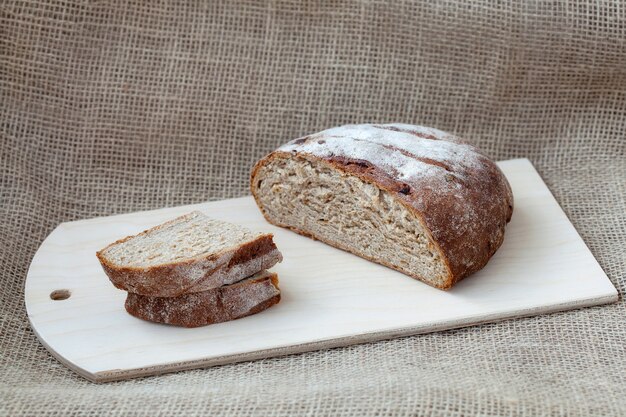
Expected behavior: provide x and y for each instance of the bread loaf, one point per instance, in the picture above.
(413, 198)
(191, 253)
(217, 305)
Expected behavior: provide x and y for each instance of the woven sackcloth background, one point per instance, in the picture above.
(111, 107)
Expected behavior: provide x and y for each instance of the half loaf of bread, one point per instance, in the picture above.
(191, 253)
(413, 198)
(217, 305)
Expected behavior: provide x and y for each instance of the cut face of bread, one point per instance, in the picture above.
(413, 198)
(188, 254)
(217, 305)
(314, 198)
(183, 238)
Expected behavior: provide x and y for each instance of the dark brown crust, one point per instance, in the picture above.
(250, 250)
(173, 279)
(464, 250)
(207, 307)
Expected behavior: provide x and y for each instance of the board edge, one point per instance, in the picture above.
(120, 375)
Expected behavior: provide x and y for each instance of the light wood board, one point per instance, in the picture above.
(330, 298)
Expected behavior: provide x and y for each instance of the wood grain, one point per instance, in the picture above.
(330, 298)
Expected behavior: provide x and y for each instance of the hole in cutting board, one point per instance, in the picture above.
(60, 295)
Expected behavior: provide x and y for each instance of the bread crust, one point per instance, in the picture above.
(217, 305)
(194, 275)
(464, 250)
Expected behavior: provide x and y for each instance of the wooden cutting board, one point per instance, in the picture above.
(330, 298)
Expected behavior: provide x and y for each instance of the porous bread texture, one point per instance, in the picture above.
(217, 305)
(183, 238)
(191, 253)
(413, 198)
(346, 212)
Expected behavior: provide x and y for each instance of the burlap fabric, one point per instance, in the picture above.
(111, 107)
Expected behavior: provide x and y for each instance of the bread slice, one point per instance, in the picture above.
(413, 198)
(230, 302)
(191, 253)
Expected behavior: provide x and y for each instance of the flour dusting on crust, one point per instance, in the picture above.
(408, 153)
